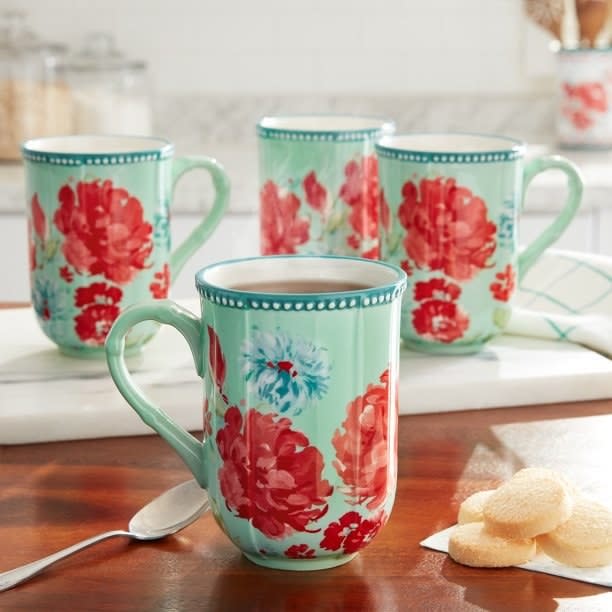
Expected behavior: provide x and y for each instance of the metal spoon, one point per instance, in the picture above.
(165, 515)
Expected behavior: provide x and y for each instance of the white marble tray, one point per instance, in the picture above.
(45, 396)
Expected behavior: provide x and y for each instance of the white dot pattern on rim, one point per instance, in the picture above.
(69, 159)
(295, 302)
(453, 158)
(273, 134)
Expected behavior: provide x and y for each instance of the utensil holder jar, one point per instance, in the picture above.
(584, 108)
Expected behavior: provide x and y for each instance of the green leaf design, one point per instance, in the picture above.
(393, 242)
(501, 316)
(50, 248)
(218, 403)
(336, 219)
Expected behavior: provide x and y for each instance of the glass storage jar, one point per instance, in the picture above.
(110, 92)
(34, 101)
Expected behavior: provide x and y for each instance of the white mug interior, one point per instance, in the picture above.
(325, 123)
(452, 142)
(233, 273)
(98, 144)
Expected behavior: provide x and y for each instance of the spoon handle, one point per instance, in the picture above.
(24, 572)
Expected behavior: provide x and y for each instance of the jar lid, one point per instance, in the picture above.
(99, 53)
(16, 37)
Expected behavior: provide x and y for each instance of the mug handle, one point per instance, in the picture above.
(574, 185)
(169, 313)
(205, 228)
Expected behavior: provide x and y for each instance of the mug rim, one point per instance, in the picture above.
(372, 294)
(106, 150)
(294, 128)
(559, 50)
(397, 146)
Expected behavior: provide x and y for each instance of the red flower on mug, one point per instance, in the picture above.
(503, 288)
(216, 361)
(281, 228)
(385, 211)
(39, 220)
(592, 95)
(66, 274)
(436, 288)
(438, 316)
(316, 194)
(31, 250)
(300, 551)
(406, 266)
(271, 475)
(352, 532)
(105, 230)
(353, 241)
(159, 288)
(447, 228)
(360, 192)
(99, 305)
(207, 418)
(362, 450)
(581, 119)
(583, 101)
(373, 253)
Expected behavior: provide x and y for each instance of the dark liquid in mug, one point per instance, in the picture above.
(300, 286)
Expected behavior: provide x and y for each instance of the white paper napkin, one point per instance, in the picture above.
(566, 296)
(540, 563)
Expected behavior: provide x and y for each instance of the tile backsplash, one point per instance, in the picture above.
(223, 126)
(407, 47)
(195, 119)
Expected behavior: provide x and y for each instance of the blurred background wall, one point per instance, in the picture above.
(321, 46)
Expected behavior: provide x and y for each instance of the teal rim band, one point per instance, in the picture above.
(339, 135)
(97, 159)
(586, 51)
(450, 157)
(340, 300)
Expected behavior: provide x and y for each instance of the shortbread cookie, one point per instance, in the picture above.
(531, 472)
(470, 510)
(585, 539)
(471, 544)
(533, 501)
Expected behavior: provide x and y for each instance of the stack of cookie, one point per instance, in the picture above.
(536, 509)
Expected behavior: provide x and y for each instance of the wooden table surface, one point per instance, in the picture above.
(54, 494)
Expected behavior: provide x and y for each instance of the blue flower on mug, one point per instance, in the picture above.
(289, 373)
(51, 303)
(161, 229)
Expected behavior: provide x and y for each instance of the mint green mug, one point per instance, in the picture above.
(318, 190)
(453, 202)
(299, 358)
(99, 231)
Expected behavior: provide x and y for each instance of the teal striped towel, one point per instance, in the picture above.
(566, 296)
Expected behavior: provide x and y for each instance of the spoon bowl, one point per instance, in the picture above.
(165, 515)
(170, 512)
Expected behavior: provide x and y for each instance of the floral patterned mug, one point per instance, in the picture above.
(99, 233)
(319, 184)
(452, 202)
(300, 358)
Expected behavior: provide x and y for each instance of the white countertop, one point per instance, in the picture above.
(47, 396)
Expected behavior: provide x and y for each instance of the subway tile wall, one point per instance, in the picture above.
(317, 46)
